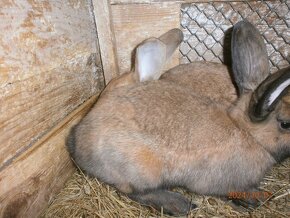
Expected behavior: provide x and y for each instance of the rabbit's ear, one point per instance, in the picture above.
(150, 59)
(172, 40)
(249, 57)
(152, 54)
(268, 94)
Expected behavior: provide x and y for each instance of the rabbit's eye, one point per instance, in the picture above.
(285, 125)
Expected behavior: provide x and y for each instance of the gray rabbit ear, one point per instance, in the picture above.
(172, 40)
(268, 94)
(249, 57)
(153, 53)
(150, 59)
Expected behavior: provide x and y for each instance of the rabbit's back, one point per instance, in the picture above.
(164, 110)
(208, 79)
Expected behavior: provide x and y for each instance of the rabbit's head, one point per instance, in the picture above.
(266, 112)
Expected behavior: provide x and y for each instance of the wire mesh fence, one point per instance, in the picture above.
(207, 28)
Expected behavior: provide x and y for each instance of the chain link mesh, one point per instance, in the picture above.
(206, 28)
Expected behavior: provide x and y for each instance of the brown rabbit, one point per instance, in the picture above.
(148, 132)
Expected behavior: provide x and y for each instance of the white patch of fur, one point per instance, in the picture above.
(278, 91)
(151, 59)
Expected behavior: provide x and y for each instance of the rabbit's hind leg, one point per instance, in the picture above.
(172, 203)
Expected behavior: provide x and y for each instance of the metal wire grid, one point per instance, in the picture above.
(206, 28)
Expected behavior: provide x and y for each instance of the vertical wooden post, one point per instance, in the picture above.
(106, 35)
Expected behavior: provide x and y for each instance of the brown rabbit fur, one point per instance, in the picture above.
(187, 128)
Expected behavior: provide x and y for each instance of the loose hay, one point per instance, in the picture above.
(87, 197)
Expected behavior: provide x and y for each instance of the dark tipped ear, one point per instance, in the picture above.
(150, 59)
(171, 39)
(152, 55)
(268, 94)
(249, 56)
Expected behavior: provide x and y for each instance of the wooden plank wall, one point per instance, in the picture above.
(106, 34)
(49, 66)
(122, 25)
(134, 23)
(37, 175)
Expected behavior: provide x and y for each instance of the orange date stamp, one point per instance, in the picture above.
(249, 195)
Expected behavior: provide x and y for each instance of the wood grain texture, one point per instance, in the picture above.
(49, 65)
(102, 11)
(134, 23)
(38, 174)
(175, 1)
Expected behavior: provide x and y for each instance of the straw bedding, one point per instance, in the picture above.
(87, 197)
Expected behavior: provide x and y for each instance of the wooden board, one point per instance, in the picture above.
(49, 65)
(35, 176)
(134, 23)
(102, 12)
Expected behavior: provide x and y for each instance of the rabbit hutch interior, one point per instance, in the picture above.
(56, 58)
